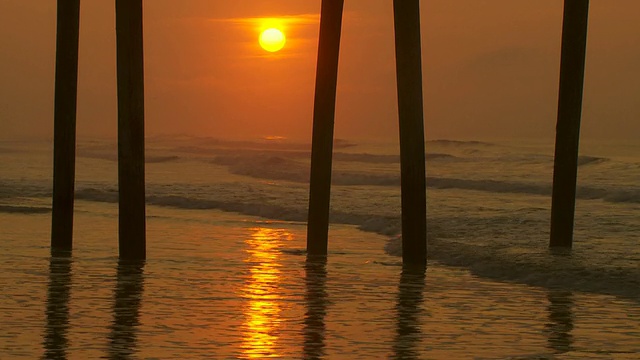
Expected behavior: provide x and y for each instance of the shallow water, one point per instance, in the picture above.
(220, 285)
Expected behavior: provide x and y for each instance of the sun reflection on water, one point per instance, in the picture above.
(262, 311)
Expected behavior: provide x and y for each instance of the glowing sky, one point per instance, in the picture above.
(490, 69)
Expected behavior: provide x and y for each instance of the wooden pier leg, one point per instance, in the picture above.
(323, 121)
(64, 138)
(130, 63)
(565, 171)
(412, 158)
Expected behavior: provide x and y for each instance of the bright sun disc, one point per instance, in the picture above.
(272, 40)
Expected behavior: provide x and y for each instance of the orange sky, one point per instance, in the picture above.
(490, 69)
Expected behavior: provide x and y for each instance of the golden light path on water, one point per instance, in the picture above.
(262, 312)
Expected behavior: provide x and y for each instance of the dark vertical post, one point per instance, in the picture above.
(323, 120)
(130, 63)
(64, 138)
(412, 158)
(565, 170)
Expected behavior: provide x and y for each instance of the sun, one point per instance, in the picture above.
(272, 39)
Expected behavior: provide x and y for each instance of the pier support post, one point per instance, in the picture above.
(410, 110)
(130, 68)
(565, 170)
(323, 121)
(64, 138)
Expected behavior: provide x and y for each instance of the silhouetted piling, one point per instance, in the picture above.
(64, 138)
(412, 158)
(130, 63)
(565, 171)
(323, 121)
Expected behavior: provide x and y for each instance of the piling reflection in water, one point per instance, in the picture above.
(410, 299)
(126, 309)
(55, 340)
(560, 322)
(262, 312)
(316, 307)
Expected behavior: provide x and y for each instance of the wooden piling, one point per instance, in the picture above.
(412, 149)
(64, 137)
(323, 121)
(565, 171)
(130, 68)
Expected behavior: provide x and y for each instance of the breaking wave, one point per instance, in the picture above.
(295, 212)
(233, 156)
(586, 160)
(616, 195)
(447, 142)
(529, 267)
(536, 267)
(285, 169)
(149, 159)
(160, 159)
(11, 209)
(385, 159)
(482, 244)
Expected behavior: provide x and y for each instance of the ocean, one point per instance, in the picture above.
(227, 276)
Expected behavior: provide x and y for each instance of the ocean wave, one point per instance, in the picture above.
(149, 159)
(617, 196)
(539, 269)
(277, 212)
(160, 159)
(447, 142)
(586, 160)
(385, 159)
(279, 168)
(18, 188)
(536, 267)
(12, 209)
(282, 169)
(241, 153)
(614, 195)
(366, 158)
(496, 186)
(265, 167)
(386, 225)
(204, 145)
(99, 195)
(348, 178)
